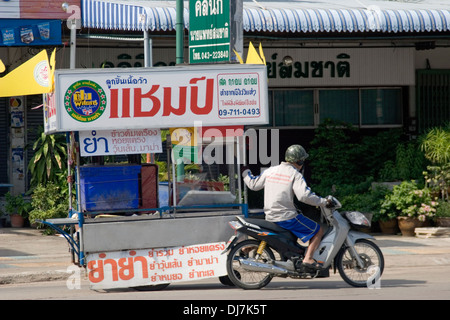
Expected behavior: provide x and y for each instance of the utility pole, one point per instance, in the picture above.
(179, 32)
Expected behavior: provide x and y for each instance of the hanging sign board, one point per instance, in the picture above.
(209, 31)
(113, 142)
(165, 97)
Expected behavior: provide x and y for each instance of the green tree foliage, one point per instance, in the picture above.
(48, 203)
(49, 159)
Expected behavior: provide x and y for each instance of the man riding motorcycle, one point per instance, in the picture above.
(280, 184)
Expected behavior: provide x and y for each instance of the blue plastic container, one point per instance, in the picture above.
(108, 188)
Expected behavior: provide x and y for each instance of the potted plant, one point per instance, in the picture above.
(413, 206)
(443, 214)
(387, 220)
(17, 208)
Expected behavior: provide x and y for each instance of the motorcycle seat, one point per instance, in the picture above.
(274, 227)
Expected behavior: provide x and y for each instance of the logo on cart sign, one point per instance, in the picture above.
(85, 101)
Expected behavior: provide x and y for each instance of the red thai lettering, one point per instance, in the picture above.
(148, 104)
(138, 96)
(114, 113)
(208, 97)
(168, 108)
(96, 272)
(143, 261)
(114, 271)
(126, 271)
(126, 103)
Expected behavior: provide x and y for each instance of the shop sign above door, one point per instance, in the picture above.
(340, 67)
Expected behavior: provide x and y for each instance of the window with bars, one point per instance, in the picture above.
(433, 98)
(364, 107)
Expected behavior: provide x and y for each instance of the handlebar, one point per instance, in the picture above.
(332, 204)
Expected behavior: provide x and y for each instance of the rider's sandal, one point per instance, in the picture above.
(315, 265)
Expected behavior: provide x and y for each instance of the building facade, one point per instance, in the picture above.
(374, 64)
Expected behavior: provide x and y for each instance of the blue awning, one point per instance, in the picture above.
(130, 15)
(289, 16)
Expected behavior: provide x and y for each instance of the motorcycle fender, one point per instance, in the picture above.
(231, 243)
(355, 235)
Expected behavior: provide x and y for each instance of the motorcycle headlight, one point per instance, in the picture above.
(357, 218)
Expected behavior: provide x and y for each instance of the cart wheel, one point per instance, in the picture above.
(155, 287)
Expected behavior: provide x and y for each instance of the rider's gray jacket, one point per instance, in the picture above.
(280, 183)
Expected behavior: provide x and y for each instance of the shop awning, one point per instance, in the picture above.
(130, 15)
(289, 16)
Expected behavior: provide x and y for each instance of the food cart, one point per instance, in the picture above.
(129, 229)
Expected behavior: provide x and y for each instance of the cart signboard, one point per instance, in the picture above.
(114, 142)
(163, 97)
(131, 268)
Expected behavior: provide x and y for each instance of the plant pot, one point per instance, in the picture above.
(407, 225)
(17, 221)
(389, 226)
(443, 222)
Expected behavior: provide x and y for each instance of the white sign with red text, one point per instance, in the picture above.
(163, 97)
(130, 268)
(113, 142)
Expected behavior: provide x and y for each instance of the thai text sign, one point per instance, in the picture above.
(112, 142)
(166, 97)
(209, 31)
(122, 269)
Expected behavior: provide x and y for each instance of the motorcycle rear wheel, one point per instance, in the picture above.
(246, 279)
(373, 267)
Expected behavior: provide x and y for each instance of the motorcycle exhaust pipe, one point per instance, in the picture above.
(253, 265)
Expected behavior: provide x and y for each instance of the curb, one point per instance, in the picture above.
(27, 277)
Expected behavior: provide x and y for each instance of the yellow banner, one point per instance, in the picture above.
(34, 76)
(252, 55)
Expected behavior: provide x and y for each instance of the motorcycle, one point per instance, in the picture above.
(252, 263)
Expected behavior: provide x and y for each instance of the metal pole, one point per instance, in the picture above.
(148, 62)
(238, 155)
(237, 32)
(69, 170)
(73, 43)
(148, 59)
(179, 32)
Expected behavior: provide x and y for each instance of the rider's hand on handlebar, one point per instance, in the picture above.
(243, 169)
(330, 203)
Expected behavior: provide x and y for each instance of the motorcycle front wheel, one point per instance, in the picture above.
(241, 277)
(373, 264)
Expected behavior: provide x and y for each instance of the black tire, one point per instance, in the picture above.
(243, 278)
(373, 268)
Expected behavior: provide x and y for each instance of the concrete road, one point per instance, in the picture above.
(399, 283)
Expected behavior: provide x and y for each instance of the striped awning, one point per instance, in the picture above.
(289, 16)
(130, 15)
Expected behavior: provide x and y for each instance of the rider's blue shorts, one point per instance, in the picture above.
(303, 227)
